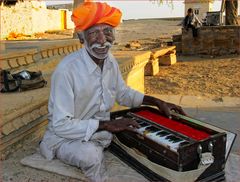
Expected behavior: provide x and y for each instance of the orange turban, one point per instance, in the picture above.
(88, 14)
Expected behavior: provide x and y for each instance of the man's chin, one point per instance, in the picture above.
(101, 51)
(100, 55)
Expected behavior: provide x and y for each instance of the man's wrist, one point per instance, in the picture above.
(149, 100)
(103, 125)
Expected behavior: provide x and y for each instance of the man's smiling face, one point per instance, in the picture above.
(98, 40)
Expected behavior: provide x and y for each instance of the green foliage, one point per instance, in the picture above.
(160, 2)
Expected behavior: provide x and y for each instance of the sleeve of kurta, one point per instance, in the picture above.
(125, 95)
(63, 121)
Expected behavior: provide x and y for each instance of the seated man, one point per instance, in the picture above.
(191, 21)
(84, 88)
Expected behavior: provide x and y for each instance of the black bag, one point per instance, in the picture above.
(24, 80)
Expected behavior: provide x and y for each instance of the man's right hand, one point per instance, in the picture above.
(119, 125)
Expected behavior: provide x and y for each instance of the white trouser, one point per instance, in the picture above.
(87, 155)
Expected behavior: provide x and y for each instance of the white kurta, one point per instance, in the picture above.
(81, 95)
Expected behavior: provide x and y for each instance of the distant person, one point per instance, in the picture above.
(191, 21)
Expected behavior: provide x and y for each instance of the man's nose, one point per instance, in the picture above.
(101, 38)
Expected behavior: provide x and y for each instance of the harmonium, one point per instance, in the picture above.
(176, 149)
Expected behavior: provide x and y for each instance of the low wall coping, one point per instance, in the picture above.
(22, 57)
(17, 53)
(161, 51)
(221, 27)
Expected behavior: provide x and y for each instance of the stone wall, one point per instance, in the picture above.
(30, 17)
(213, 40)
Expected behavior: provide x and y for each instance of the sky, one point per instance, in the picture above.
(137, 9)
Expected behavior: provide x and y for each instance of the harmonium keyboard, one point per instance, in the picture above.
(179, 144)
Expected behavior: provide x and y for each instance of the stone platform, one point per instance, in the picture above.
(158, 56)
(212, 40)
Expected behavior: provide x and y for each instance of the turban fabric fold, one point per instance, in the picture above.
(88, 14)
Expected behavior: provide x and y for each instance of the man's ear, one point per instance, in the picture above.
(81, 39)
(114, 34)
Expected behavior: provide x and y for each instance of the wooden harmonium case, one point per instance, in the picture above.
(176, 143)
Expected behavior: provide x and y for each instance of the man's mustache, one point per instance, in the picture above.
(101, 46)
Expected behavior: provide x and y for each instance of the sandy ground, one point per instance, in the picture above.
(146, 30)
(210, 77)
(13, 171)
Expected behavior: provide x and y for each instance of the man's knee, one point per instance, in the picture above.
(93, 155)
(81, 154)
(103, 138)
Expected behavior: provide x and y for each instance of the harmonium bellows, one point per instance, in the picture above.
(180, 143)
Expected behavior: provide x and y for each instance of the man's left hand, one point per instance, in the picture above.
(164, 107)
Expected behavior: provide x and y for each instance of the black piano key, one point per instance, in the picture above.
(170, 137)
(143, 124)
(152, 129)
(162, 133)
(173, 139)
(177, 139)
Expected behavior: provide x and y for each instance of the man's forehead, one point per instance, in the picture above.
(99, 27)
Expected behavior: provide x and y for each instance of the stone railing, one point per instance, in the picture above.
(212, 40)
(15, 60)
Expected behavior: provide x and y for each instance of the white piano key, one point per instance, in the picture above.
(162, 140)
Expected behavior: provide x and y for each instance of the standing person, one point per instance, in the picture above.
(84, 88)
(191, 21)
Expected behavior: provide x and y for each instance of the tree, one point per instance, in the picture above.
(231, 8)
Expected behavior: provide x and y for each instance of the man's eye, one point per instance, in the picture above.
(108, 31)
(93, 34)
